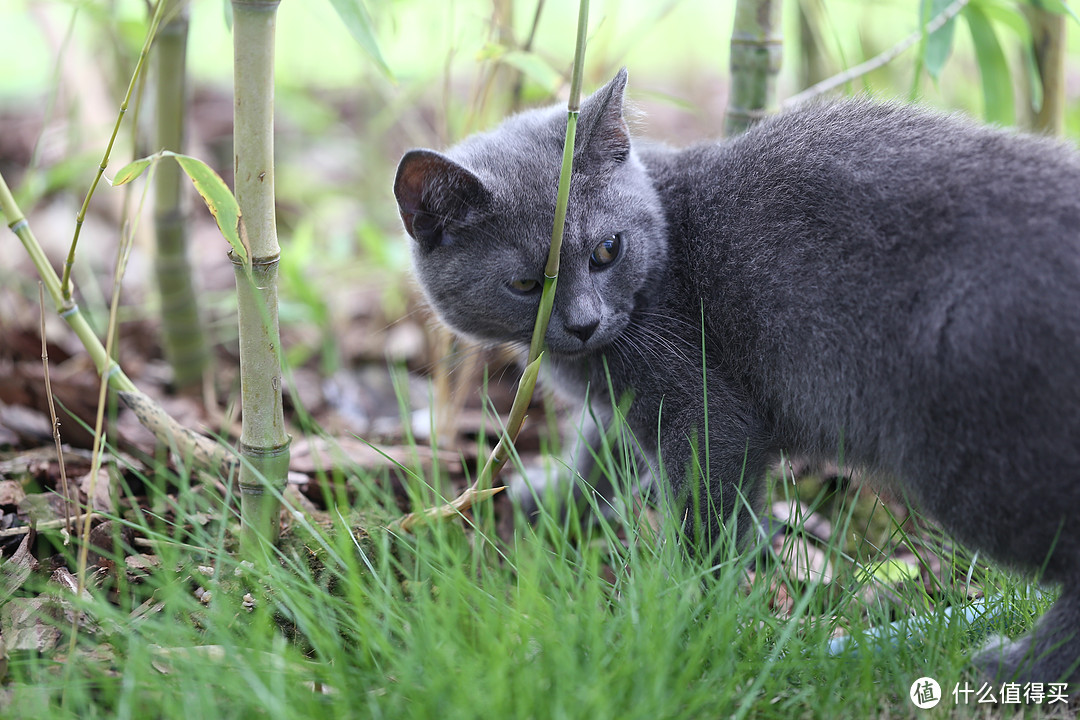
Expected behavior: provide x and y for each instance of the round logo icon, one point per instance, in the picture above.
(925, 693)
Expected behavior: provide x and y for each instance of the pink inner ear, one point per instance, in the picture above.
(417, 169)
(434, 185)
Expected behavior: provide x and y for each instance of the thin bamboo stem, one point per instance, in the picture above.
(573, 107)
(65, 283)
(68, 502)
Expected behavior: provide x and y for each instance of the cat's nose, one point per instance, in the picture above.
(585, 330)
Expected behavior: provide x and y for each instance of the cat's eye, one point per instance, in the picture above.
(524, 286)
(606, 252)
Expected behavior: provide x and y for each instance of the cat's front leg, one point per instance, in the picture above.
(717, 487)
(611, 463)
(602, 465)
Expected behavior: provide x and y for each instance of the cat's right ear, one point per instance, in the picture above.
(603, 136)
(432, 190)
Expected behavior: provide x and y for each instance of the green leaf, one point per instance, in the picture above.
(1008, 15)
(358, 23)
(535, 68)
(219, 200)
(939, 43)
(890, 572)
(1034, 79)
(993, 68)
(132, 170)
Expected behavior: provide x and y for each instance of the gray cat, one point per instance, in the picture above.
(898, 286)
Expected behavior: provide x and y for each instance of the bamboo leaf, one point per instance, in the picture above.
(132, 170)
(939, 43)
(219, 200)
(357, 21)
(993, 68)
(1008, 15)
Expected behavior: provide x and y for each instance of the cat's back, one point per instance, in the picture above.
(858, 161)
(942, 250)
(891, 193)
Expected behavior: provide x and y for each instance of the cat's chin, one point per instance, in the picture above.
(575, 355)
(570, 356)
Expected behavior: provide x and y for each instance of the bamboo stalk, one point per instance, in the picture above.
(756, 51)
(66, 307)
(264, 444)
(1048, 46)
(182, 332)
(573, 107)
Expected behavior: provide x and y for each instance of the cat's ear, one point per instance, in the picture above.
(433, 190)
(604, 134)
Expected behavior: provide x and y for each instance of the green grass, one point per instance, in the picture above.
(352, 621)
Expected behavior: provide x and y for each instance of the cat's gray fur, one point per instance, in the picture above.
(897, 285)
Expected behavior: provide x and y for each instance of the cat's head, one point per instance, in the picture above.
(480, 217)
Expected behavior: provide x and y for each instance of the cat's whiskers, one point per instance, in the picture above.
(689, 329)
(656, 340)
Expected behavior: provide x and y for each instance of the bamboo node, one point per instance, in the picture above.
(265, 452)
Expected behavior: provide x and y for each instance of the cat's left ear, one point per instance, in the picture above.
(604, 136)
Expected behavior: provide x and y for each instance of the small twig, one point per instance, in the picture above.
(479, 490)
(123, 252)
(46, 525)
(880, 60)
(154, 543)
(455, 507)
(52, 412)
